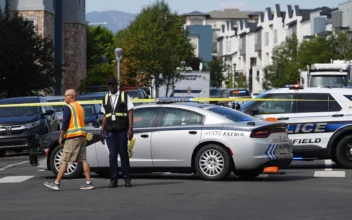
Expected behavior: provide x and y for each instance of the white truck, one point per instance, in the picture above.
(193, 84)
(336, 74)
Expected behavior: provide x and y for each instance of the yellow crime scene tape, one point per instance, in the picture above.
(153, 100)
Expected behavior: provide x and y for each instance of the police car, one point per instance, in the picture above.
(320, 120)
(186, 137)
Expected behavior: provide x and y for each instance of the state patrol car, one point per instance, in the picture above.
(320, 120)
(185, 137)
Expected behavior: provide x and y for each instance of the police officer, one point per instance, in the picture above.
(117, 129)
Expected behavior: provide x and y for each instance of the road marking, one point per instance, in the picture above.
(15, 179)
(329, 173)
(41, 170)
(328, 165)
(11, 165)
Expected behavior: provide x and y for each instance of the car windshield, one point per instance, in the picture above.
(231, 114)
(19, 111)
(89, 110)
(214, 92)
(249, 103)
(57, 108)
(132, 94)
(327, 81)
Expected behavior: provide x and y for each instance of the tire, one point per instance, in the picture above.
(343, 152)
(2, 153)
(213, 157)
(75, 170)
(248, 174)
(103, 174)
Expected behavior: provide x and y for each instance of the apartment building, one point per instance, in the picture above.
(205, 28)
(247, 49)
(63, 21)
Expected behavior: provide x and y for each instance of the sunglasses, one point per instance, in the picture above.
(67, 95)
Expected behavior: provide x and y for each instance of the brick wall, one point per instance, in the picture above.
(74, 55)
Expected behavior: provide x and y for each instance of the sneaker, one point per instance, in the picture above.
(87, 186)
(52, 185)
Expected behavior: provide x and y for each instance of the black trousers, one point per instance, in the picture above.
(117, 144)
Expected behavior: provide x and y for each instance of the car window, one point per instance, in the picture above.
(276, 107)
(179, 117)
(57, 108)
(231, 114)
(144, 117)
(89, 110)
(321, 102)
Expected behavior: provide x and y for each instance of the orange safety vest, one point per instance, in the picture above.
(76, 126)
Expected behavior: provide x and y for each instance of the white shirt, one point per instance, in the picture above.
(113, 100)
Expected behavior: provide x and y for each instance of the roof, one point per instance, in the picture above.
(313, 90)
(230, 13)
(195, 13)
(21, 99)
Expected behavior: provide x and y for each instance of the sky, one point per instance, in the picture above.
(184, 6)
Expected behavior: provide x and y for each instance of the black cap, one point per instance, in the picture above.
(112, 80)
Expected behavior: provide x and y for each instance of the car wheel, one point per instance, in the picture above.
(213, 162)
(249, 174)
(343, 152)
(73, 170)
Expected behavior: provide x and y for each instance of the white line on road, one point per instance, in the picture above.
(328, 173)
(15, 179)
(11, 165)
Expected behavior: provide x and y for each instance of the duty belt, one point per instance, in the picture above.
(117, 114)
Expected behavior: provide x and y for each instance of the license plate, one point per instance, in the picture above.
(283, 149)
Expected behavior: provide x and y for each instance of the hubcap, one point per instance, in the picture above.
(57, 162)
(211, 162)
(349, 151)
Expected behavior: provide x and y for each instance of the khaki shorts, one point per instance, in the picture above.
(74, 150)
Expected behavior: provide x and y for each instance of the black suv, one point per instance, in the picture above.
(19, 125)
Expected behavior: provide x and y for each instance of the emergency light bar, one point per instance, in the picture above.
(295, 86)
(171, 100)
(238, 91)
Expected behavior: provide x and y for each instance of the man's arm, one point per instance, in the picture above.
(65, 123)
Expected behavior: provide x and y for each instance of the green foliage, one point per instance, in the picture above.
(101, 61)
(216, 68)
(155, 43)
(242, 81)
(26, 59)
(229, 81)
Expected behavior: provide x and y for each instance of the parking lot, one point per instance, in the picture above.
(306, 190)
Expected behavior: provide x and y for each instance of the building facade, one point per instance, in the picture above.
(63, 21)
(246, 47)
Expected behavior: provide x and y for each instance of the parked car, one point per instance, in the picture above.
(209, 140)
(19, 125)
(59, 109)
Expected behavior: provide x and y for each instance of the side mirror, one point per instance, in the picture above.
(236, 106)
(49, 112)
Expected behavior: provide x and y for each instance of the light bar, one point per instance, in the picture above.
(238, 91)
(170, 100)
(295, 86)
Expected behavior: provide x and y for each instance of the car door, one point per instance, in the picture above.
(174, 140)
(144, 120)
(316, 120)
(274, 109)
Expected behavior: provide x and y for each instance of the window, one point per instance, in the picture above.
(231, 114)
(144, 117)
(319, 103)
(277, 107)
(256, 38)
(179, 117)
(333, 105)
(33, 21)
(266, 38)
(275, 36)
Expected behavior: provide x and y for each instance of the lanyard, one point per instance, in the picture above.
(113, 104)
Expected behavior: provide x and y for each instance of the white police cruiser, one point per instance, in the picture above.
(320, 120)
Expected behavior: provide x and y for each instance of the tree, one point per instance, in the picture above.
(101, 61)
(216, 68)
(155, 43)
(26, 59)
(285, 66)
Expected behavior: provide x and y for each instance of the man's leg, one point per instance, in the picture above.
(125, 162)
(113, 151)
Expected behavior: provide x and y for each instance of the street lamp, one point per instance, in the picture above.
(118, 54)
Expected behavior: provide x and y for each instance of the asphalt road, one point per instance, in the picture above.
(307, 190)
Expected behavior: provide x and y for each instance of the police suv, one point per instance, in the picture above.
(320, 120)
